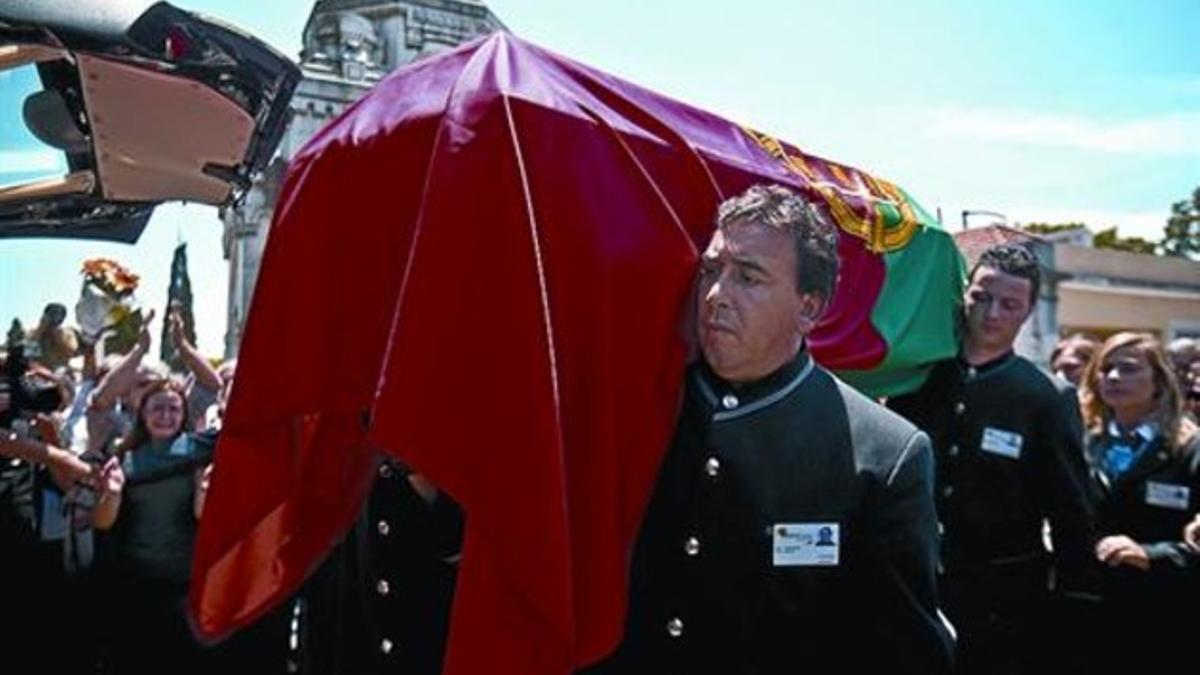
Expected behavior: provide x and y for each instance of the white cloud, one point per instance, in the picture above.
(1173, 133)
(27, 161)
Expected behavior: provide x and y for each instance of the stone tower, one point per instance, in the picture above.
(349, 45)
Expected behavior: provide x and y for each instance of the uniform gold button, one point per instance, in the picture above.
(712, 467)
(691, 546)
(675, 627)
(383, 528)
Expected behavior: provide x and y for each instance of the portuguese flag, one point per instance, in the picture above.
(485, 267)
(894, 312)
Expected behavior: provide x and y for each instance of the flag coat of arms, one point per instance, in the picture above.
(484, 267)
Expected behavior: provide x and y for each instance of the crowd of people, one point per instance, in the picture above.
(1063, 498)
(1001, 519)
(103, 482)
(105, 462)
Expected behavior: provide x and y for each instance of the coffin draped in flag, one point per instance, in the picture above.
(484, 267)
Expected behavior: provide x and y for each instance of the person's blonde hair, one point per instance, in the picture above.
(1168, 413)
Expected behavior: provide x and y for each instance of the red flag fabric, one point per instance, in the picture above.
(483, 268)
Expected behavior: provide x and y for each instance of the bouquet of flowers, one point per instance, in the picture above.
(107, 303)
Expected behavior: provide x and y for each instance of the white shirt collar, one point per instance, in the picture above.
(1145, 430)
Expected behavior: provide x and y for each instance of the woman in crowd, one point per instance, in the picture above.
(1146, 456)
(151, 495)
(1071, 355)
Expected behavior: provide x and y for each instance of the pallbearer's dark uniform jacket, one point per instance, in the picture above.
(792, 529)
(381, 602)
(1009, 451)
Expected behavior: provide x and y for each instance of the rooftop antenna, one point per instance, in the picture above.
(975, 212)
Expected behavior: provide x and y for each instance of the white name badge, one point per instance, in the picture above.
(1168, 495)
(806, 544)
(1001, 442)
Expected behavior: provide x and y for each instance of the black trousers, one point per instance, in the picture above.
(147, 631)
(1000, 613)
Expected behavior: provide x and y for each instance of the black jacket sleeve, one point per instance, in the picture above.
(1067, 497)
(906, 541)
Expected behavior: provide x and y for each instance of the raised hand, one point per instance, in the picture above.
(175, 326)
(112, 477)
(143, 339)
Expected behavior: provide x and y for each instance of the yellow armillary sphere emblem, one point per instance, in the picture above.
(869, 208)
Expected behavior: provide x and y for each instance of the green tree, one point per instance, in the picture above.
(1106, 238)
(1051, 228)
(1181, 236)
(179, 298)
(1110, 239)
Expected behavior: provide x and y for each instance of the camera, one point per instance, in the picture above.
(26, 395)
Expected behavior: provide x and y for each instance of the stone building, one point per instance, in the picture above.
(349, 45)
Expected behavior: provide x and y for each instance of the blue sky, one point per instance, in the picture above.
(1042, 111)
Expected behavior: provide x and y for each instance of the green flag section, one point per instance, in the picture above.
(922, 280)
(908, 315)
